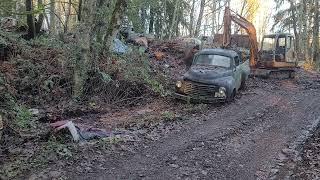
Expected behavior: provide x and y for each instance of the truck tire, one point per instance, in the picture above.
(243, 84)
(232, 96)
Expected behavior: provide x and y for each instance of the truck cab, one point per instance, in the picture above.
(216, 75)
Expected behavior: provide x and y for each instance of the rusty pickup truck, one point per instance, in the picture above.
(216, 75)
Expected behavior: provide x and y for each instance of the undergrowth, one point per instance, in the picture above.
(39, 74)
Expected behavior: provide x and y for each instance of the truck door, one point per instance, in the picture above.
(237, 72)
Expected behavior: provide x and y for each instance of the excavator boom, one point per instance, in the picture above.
(245, 24)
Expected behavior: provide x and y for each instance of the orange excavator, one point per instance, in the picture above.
(276, 56)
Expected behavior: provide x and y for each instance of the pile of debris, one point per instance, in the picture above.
(167, 55)
(8, 24)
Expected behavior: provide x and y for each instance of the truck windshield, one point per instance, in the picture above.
(268, 44)
(213, 60)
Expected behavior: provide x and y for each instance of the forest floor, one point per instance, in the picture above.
(250, 138)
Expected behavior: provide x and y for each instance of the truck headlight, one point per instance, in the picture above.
(179, 84)
(222, 90)
(221, 93)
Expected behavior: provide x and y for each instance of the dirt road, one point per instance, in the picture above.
(167, 139)
(241, 140)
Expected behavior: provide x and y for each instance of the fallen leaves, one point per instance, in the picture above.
(159, 55)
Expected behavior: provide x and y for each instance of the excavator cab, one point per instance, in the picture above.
(277, 51)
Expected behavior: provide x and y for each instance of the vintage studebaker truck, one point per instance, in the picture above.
(216, 75)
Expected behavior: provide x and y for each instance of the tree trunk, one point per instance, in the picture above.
(163, 22)
(143, 19)
(192, 18)
(30, 19)
(79, 10)
(179, 20)
(52, 27)
(174, 18)
(316, 33)
(302, 25)
(85, 38)
(98, 28)
(294, 24)
(213, 19)
(218, 18)
(199, 22)
(18, 6)
(99, 20)
(114, 24)
(151, 23)
(309, 35)
(40, 19)
(66, 21)
(237, 27)
(58, 13)
(158, 25)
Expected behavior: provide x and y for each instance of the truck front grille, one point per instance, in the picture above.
(200, 90)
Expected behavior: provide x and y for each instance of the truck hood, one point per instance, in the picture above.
(206, 73)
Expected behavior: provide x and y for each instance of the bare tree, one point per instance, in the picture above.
(294, 23)
(52, 16)
(213, 19)
(199, 22)
(66, 22)
(174, 18)
(152, 19)
(192, 18)
(316, 33)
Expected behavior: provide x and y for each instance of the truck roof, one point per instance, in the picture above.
(219, 51)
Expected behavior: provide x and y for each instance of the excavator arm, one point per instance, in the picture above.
(245, 24)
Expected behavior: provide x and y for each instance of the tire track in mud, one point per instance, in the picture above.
(224, 123)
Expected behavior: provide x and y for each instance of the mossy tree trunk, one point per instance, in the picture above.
(85, 39)
(114, 25)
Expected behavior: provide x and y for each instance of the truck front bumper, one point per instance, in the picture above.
(209, 100)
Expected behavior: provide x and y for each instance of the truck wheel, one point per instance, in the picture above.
(243, 84)
(231, 97)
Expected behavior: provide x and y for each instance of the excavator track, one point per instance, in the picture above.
(273, 73)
